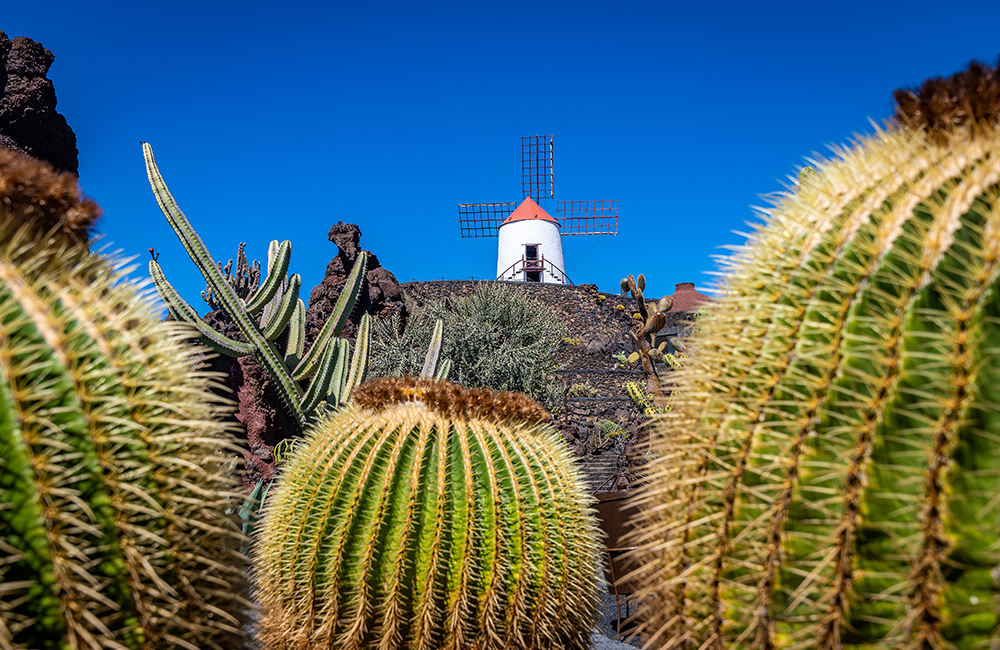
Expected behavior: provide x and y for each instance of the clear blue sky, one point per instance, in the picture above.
(276, 120)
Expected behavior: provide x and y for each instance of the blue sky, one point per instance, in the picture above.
(276, 120)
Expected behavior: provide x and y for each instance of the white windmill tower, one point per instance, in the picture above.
(530, 239)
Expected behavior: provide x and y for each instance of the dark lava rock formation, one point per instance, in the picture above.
(381, 295)
(29, 122)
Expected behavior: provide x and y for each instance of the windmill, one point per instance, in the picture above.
(530, 239)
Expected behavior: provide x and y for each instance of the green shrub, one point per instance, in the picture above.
(499, 337)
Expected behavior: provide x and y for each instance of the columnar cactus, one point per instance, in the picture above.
(113, 474)
(424, 515)
(829, 475)
(271, 308)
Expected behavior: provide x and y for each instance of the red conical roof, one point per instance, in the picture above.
(686, 298)
(529, 210)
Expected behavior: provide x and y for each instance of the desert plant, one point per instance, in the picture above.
(279, 308)
(113, 473)
(251, 510)
(647, 321)
(438, 517)
(498, 337)
(830, 473)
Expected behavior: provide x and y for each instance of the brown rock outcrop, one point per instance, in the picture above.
(381, 295)
(29, 122)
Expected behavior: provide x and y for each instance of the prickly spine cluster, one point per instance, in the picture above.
(829, 474)
(416, 519)
(113, 483)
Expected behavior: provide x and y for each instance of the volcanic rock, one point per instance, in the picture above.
(381, 295)
(29, 122)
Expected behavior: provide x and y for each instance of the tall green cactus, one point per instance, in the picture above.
(829, 475)
(425, 515)
(113, 473)
(279, 308)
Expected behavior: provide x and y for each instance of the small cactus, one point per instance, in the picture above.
(425, 515)
(829, 475)
(649, 320)
(113, 476)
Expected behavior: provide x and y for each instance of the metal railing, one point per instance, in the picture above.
(541, 266)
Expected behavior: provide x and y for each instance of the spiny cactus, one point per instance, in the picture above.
(252, 508)
(244, 281)
(279, 307)
(649, 320)
(830, 473)
(113, 482)
(424, 515)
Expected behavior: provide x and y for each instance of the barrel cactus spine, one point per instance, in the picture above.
(113, 474)
(829, 473)
(435, 517)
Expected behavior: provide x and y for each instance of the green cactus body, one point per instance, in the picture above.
(424, 515)
(829, 475)
(113, 484)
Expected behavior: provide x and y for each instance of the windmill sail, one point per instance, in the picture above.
(537, 179)
(483, 219)
(588, 217)
(537, 183)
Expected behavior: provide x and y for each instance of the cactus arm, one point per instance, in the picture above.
(359, 363)
(433, 351)
(227, 297)
(280, 317)
(183, 311)
(335, 394)
(334, 356)
(296, 334)
(335, 324)
(443, 369)
(277, 267)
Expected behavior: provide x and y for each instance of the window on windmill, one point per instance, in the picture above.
(531, 251)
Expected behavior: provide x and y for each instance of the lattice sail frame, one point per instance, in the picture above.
(483, 219)
(537, 178)
(588, 217)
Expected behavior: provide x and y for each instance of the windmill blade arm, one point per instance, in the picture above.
(588, 217)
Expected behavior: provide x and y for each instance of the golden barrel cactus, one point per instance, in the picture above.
(829, 475)
(424, 515)
(113, 482)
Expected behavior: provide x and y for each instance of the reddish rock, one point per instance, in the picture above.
(381, 295)
(29, 122)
